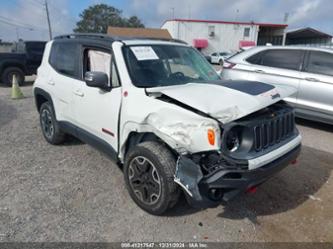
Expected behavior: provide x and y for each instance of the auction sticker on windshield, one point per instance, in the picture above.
(144, 53)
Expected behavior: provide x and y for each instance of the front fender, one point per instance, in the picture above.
(185, 134)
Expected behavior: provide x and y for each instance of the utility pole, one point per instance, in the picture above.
(285, 20)
(173, 13)
(17, 33)
(48, 19)
(286, 17)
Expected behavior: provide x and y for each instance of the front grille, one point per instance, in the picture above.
(273, 131)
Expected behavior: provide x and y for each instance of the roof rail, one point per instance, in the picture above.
(84, 35)
(110, 38)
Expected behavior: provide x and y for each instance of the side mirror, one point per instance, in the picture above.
(97, 79)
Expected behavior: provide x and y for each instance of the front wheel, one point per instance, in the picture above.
(149, 171)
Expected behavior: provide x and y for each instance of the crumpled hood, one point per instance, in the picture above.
(226, 101)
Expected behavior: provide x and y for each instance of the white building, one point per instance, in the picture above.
(215, 36)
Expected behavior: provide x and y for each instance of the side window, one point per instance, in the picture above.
(211, 31)
(95, 60)
(214, 54)
(320, 63)
(256, 58)
(64, 58)
(282, 58)
(246, 32)
(114, 75)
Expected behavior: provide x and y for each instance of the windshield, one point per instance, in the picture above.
(165, 65)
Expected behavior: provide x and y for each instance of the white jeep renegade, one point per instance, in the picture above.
(161, 111)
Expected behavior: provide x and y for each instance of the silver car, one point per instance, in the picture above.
(308, 69)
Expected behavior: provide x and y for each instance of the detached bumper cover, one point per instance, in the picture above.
(231, 182)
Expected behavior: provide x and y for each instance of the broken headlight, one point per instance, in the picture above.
(233, 140)
(237, 140)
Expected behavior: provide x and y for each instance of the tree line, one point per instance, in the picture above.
(97, 19)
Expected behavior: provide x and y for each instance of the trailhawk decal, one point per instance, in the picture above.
(252, 87)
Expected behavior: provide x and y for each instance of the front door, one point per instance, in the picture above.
(97, 110)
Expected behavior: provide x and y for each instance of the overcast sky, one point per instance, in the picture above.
(27, 19)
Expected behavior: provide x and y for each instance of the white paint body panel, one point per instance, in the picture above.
(139, 111)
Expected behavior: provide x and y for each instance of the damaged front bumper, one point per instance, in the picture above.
(224, 184)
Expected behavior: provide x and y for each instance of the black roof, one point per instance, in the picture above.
(307, 33)
(85, 35)
(104, 37)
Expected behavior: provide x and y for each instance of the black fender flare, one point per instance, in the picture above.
(44, 94)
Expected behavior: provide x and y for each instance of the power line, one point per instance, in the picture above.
(38, 3)
(60, 12)
(12, 24)
(15, 22)
(35, 3)
(19, 24)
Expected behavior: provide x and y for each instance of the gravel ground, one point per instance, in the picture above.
(74, 193)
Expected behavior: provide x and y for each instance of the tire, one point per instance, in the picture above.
(221, 62)
(155, 190)
(49, 125)
(7, 75)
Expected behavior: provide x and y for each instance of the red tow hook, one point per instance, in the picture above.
(295, 161)
(251, 190)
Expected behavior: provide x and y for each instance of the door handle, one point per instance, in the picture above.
(79, 93)
(51, 82)
(259, 71)
(312, 79)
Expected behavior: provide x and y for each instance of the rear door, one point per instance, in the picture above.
(63, 75)
(278, 66)
(316, 89)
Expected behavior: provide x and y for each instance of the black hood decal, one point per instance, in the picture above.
(250, 87)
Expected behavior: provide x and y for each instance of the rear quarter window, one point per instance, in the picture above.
(256, 58)
(64, 58)
(320, 63)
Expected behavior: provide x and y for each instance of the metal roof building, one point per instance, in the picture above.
(307, 36)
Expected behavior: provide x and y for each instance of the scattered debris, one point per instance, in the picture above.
(312, 197)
